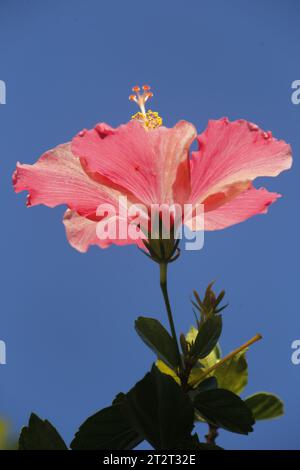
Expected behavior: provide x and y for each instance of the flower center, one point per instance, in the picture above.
(149, 119)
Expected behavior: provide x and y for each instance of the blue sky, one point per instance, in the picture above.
(67, 319)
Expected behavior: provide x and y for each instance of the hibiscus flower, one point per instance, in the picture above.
(149, 164)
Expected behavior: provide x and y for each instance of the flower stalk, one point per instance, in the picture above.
(163, 266)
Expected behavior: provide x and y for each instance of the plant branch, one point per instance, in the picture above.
(233, 353)
(212, 434)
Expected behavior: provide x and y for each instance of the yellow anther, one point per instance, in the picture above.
(149, 119)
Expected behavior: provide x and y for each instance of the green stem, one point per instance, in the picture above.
(164, 289)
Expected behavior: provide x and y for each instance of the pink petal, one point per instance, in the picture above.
(81, 233)
(234, 152)
(153, 165)
(58, 178)
(247, 204)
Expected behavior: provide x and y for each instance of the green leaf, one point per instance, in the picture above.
(224, 409)
(199, 369)
(265, 406)
(213, 356)
(159, 410)
(40, 435)
(118, 398)
(167, 370)
(191, 335)
(107, 429)
(208, 334)
(207, 384)
(233, 374)
(158, 339)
